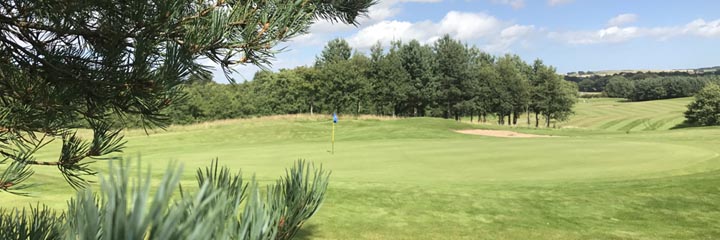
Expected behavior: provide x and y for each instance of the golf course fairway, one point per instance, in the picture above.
(615, 170)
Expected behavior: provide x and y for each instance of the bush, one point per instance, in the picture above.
(223, 207)
(705, 110)
(619, 87)
(648, 89)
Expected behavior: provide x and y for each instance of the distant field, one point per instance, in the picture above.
(418, 179)
(617, 115)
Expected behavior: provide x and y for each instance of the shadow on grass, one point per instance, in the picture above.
(306, 232)
(684, 125)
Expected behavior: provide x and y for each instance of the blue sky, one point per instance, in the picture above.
(572, 35)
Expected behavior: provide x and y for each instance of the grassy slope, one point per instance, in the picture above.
(613, 115)
(416, 179)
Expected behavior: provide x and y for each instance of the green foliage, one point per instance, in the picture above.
(35, 223)
(448, 79)
(223, 207)
(515, 87)
(648, 89)
(551, 95)
(646, 86)
(343, 84)
(337, 50)
(390, 81)
(297, 197)
(619, 87)
(107, 65)
(667, 87)
(418, 61)
(211, 101)
(705, 110)
(592, 85)
(452, 68)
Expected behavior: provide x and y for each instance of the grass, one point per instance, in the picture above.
(615, 172)
(615, 115)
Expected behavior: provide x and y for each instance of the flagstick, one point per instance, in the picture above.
(333, 138)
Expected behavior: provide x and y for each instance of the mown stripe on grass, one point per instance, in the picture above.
(609, 124)
(633, 124)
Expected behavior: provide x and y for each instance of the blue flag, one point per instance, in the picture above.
(335, 118)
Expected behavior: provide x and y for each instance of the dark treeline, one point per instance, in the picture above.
(447, 79)
(657, 87)
(597, 83)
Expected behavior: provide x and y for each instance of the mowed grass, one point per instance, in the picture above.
(417, 179)
(617, 115)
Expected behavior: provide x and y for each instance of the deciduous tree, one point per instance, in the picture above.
(705, 110)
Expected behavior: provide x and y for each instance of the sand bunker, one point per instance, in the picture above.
(499, 133)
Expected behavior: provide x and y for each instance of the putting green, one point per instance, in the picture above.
(474, 160)
(419, 179)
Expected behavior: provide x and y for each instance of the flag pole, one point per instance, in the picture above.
(335, 120)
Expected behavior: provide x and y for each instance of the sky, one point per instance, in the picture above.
(572, 35)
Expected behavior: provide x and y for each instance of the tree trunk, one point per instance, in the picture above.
(528, 115)
(537, 119)
(547, 120)
(311, 109)
(447, 110)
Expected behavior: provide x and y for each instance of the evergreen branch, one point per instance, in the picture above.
(38, 222)
(298, 196)
(345, 11)
(61, 62)
(12, 178)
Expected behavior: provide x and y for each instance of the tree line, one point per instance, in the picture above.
(598, 83)
(446, 79)
(657, 87)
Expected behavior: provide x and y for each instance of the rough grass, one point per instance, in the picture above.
(418, 179)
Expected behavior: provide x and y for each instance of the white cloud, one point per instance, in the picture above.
(323, 30)
(468, 26)
(515, 31)
(610, 35)
(616, 34)
(487, 31)
(702, 28)
(388, 8)
(509, 36)
(559, 2)
(622, 19)
(387, 31)
(516, 4)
